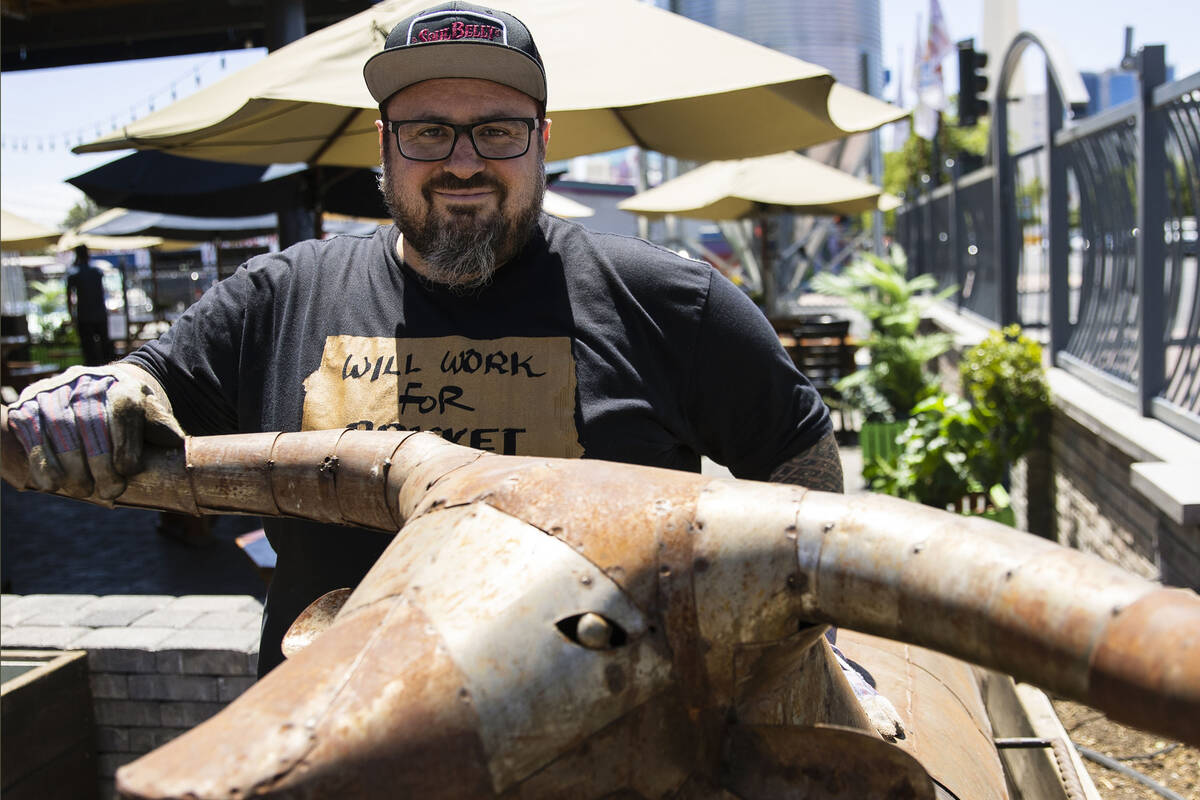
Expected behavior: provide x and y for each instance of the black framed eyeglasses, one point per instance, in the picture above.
(430, 140)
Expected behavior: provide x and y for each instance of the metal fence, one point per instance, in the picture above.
(1067, 255)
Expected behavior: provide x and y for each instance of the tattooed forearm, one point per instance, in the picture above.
(819, 467)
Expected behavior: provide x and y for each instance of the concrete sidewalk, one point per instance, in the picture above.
(53, 545)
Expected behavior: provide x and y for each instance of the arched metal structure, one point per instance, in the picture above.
(1064, 87)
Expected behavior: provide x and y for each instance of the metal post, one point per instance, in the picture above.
(927, 237)
(956, 249)
(1058, 232)
(1003, 210)
(643, 166)
(1152, 213)
(125, 305)
(767, 265)
(284, 23)
(870, 85)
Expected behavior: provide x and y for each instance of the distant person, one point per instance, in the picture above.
(85, 303)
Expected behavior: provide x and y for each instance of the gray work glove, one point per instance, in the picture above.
(84, 430)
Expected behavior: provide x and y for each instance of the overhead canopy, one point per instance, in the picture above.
(18, 234)
(620, 73)
(724, 190)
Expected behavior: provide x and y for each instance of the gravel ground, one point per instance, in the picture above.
(1174, 766)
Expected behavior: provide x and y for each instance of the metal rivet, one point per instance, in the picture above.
(593, 631)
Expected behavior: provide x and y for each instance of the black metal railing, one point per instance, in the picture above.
(1120, 309)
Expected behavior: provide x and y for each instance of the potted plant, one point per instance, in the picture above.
(898, 376)
(955, 453)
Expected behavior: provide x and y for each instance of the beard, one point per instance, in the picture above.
(463, 247)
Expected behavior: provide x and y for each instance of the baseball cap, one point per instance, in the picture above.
(457, 40)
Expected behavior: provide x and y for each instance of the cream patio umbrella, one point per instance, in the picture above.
(739, 189)
(620, 73)
(562, 206)
(725, 190)
(100, 243)
(18, 234)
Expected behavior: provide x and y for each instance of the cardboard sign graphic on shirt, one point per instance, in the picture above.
(513, 395)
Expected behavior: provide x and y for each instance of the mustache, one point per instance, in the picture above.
(453, 182)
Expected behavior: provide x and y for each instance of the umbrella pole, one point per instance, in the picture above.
(125, 304)
(766, 268)
(643, 166)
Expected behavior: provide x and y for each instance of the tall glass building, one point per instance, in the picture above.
(834, 34)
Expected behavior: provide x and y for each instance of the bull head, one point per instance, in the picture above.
(545, 627)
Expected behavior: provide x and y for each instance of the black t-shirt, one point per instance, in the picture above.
(586, 344)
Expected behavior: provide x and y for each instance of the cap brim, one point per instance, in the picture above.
(392, 70)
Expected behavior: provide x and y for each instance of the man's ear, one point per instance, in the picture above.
(379, 130)
(546, 131)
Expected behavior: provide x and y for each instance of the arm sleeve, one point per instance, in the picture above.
(748, 405)
(201, 360)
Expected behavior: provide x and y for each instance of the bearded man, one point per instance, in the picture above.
(475, 316)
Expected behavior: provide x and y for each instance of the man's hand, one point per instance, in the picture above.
(84, 430)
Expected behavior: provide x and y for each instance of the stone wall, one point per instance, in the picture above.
(158, 664)
(1098, 509)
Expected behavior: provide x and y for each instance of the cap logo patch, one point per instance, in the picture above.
(435, 28)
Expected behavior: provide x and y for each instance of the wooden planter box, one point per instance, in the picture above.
(48, 748)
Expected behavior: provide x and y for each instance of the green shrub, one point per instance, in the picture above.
(1004, 377)
(954, 447)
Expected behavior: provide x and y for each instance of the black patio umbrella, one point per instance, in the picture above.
(151, 180)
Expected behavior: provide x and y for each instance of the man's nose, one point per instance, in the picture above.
(464, 161)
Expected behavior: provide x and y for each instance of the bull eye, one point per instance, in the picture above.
(593, 631)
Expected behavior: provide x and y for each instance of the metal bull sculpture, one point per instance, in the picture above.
(574, 628)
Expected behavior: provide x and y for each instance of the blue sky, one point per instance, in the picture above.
(44, 107)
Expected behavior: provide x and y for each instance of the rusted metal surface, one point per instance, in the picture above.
(775, 762)
(313, 621)
(460, 654)
(940, 702)
(373, 708)
(495, 589)
(1128, 668)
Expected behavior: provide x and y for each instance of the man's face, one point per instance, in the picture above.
(464, 216)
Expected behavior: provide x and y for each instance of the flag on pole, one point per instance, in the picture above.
(901, 127)
(938, 44)
(931, 92)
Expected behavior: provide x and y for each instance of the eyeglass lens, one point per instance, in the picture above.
(433, 141)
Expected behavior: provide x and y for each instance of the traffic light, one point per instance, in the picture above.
(972, 83)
